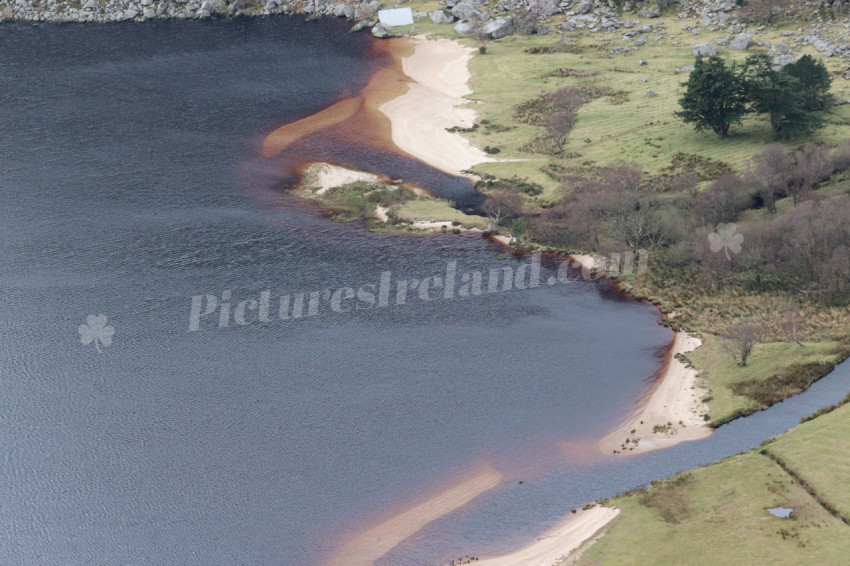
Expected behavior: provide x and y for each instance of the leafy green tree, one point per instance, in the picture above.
(518, 230)
(814, 82)
(714, 97)
(778, 95)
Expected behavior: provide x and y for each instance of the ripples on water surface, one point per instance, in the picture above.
(130, 183)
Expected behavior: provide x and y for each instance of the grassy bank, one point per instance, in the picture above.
(719, 512)
(774, 371)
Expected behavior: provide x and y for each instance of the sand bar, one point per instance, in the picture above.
(368, 546)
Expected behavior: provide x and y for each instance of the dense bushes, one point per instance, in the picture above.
(730, 233)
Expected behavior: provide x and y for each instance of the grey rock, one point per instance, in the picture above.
(128, 14)
(381, 31)
(467, 11)
(362, 24)
(342, 11)
(821, 45)
(214, 7)
(463, 28)
(640, 41)
(782, 60)
(651, 93)
(542, 30)
(500, 27)
(643, 62)
(704, 50)
(441, 17)
(685, 69)
(741, 42)
(584, 7)
(782, 49)
(650, 11)
(619, 49)
(367, 11)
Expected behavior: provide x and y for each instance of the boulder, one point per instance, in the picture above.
(463, 28)
(640, 41)
(705, 50)
(650, 11)
(741, 42)
(214, 7)
(685, 69)
(584, 7)
(344, 11)
(441, 17)
(468, 11)
(782, 49)
(381, 31)
(362, 24)
(500, 27)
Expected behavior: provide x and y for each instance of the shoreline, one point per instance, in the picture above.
(556, 544)
(667, 399)
(671, 410)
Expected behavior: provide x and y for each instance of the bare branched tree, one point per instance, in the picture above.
(502, 206)
(740, 338)
(558, 126)
(793, 324)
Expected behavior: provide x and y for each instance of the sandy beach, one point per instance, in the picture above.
(670, 414)
(323, 176)
(551, 548)
(432, 103)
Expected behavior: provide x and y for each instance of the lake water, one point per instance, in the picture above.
(131, 184)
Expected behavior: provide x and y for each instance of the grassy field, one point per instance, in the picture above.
(640, 129)
(428, 209)
(718, 515)
(720, 373)
(816, 452)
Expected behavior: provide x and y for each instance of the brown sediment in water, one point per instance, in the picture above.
(356, 120)
(370, 545)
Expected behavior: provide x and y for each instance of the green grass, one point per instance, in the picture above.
(717, 515)
(816, 452)
(642, 129)
(720, 373)
(438, 211)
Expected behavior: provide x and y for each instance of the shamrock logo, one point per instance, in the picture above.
(95, 330)
(724, 238)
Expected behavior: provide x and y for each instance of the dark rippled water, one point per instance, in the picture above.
(129, 185)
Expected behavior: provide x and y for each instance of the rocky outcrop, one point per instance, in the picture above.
(500, 17)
